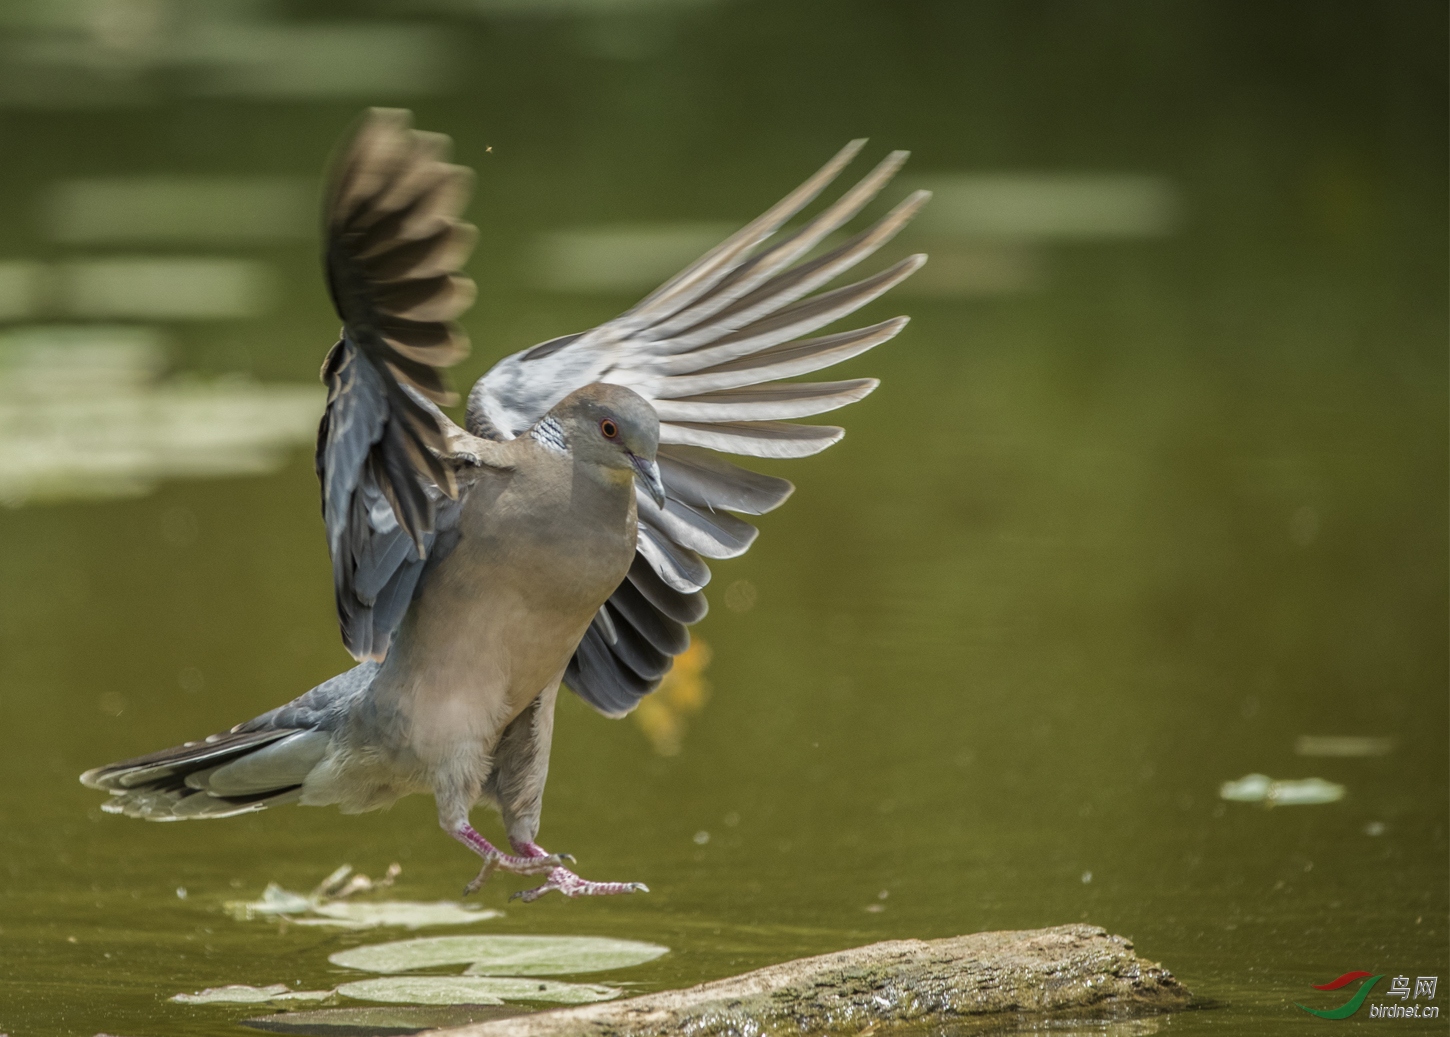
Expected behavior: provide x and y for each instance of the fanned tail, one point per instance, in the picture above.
(233, 773)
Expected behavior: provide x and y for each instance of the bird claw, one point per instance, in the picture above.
(474, 885)
(564, 881)
(464, 448)
(465, 456)
(515, 865)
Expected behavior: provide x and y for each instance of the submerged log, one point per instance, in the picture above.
(1077, 969)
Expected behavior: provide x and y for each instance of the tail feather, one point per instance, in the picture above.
(178, 761)
(233, 773)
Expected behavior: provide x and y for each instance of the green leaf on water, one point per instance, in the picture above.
(473, 990)
(501, 955)
(1260, 788)
(1305, 790)
(409, 914)
(239, 994)
(350, 914)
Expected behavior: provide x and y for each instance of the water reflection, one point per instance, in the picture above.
(1343, 745)
(167, 209)
(621, 258)
(85, 413)
(141, 287)
(1048, 206)
(109, 53)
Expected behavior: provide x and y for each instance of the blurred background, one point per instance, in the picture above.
(1153, 496)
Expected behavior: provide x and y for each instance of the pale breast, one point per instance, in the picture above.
(541, 548)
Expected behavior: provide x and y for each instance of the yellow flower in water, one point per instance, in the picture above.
(663, 716)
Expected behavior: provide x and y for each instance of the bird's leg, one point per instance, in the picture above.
(563, 880)
(494, 858)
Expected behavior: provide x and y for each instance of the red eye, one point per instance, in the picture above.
(609, 428)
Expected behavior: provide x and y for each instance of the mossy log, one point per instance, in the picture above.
(1077, 969)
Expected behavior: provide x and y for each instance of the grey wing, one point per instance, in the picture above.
(394, 251)
(710, 349)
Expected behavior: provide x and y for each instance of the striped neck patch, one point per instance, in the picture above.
(550, 434)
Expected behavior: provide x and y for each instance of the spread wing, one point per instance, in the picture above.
(711, 349)
(394, 246)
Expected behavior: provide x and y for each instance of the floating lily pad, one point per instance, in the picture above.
(348, 914)
(1251, 788)
(1307, 790)
(377, 1022)
(239, 994)
(473, 990)
(1260, 788)
(1343, 745)
(326, 903)
(501, 955)
(409, 914)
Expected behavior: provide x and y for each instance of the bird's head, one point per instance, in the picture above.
(615, 428)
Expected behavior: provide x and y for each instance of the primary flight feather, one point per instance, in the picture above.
(561, 535)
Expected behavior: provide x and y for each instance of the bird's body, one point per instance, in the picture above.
(541, 546)
(557, 540)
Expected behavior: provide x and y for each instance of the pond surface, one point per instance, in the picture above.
(1154, 489)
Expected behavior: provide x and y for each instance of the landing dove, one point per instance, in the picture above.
(560, 536)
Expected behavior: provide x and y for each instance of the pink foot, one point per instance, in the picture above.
(565, 881)
(494, 859)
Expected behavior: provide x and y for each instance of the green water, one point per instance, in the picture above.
(1101, 542)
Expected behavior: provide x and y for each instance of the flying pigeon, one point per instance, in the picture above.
(560, 536)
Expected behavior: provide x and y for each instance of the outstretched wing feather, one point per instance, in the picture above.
(684, 607)
(441, 252)
(713, 535)
(791, 322)
(707, 271)
(753, 438)
(629, 605)
(393, 253)
(776, 401)
(680, 568)
(764, 265)
(599, 677)
(787, 360)
(799, 281)
(710, 348)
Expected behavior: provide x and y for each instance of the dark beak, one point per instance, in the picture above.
(649, 474)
